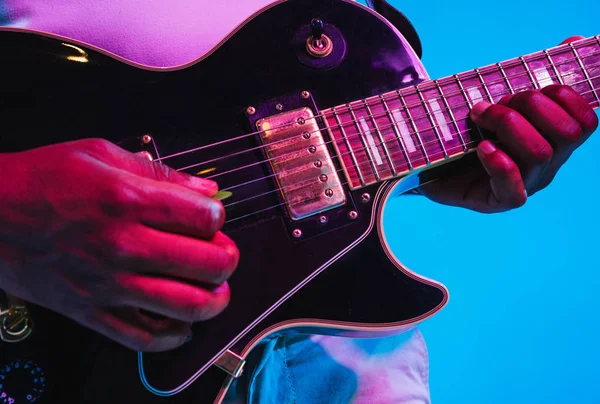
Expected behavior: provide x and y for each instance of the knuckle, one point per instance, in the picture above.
(510, 117)
(97, 146)
(121, 245)
(118, 199)
(160, 171)
(541, 152)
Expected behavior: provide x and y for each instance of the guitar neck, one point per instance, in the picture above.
(392, 134)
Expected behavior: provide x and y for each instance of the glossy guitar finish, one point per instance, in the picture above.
(337, 278)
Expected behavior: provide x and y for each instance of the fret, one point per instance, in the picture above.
(350, 150)
(501, 69)
(472, 85)
(560, 81)
(533, 82)
(401, 128)
(366, 134)
(517, 75)
(414, 126)
(396, 131)
(462, 90)
(387, 129)
(452, 118)
(428, 112)
(380, 136)
(538, 67)
(585, 73)
(485, 88)
(366, 147)
(570, 71)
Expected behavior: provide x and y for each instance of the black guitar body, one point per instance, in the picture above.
(338, 277)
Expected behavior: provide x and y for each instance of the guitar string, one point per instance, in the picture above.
(337, 171)
(356, 135)
(411, 120)
(428, 82)
(523, 74)
(342, 183)
(393, 141)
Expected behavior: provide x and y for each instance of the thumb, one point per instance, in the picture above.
(140, 165)
(156, 170)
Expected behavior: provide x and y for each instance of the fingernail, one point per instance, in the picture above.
(487, 147)
(478, 110)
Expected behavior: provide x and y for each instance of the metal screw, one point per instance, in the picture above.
(306, 135)
(250, 110)
(279, 107)
(365, 198)
(297, 233)
(301, 121)
(312, 149)
(305, 94)
(323, 219)
(323, 178)
(329, 192)
(146, 139)
(318, 163)
(352, 214)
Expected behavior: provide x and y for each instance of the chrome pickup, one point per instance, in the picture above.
(298, 155)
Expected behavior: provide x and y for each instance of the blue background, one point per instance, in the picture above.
(522, 322)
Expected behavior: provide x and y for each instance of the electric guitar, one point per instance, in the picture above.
(310, 116)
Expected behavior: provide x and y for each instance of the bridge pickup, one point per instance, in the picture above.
(298, 154)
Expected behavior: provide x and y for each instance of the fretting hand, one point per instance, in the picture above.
(97, 233)
(538, 131)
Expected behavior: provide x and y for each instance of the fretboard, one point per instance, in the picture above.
(392, 134)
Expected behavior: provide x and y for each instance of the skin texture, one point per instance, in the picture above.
(103, 236)
(538, 131)
(97, 233)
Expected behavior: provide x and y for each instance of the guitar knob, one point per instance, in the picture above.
(316, 26)
(318, 44)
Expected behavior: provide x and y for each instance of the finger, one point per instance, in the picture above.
(173, 209)
(136, 164)
(147, 250)
(125, 326)
(173, 298)
(572, 39)
(574, 105)
(507, 187)
(523, 142)
(549, 118)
